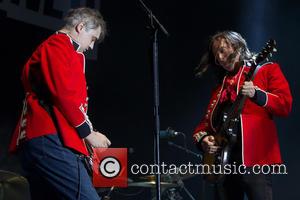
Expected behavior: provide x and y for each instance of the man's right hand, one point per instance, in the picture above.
(208, 144)
(97, 140)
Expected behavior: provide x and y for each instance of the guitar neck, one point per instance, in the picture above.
(237, 106)
(89, 148)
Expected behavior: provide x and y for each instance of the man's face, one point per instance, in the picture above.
(87, 38)
(224, 54)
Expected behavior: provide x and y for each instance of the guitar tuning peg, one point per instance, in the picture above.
(271, 54)
(267, 59)
(274, 50)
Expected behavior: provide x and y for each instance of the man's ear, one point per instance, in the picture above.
(79, 27)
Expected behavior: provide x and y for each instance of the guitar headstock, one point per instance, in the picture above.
(266, 52)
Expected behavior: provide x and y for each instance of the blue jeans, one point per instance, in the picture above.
(55, 172)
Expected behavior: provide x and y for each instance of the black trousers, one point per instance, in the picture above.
(236, 186)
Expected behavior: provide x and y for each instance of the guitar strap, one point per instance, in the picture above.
(260, 66)
(256, 70)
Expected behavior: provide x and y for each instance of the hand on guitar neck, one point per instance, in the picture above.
(97, 140)
(248, 89)
(208, 144)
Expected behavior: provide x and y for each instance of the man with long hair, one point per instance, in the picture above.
(54, 127)
(267, 95)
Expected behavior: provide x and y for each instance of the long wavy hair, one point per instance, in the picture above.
(208, 59)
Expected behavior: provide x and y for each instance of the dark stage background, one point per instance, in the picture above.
(120, 78)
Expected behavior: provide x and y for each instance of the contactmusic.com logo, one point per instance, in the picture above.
(110, 167)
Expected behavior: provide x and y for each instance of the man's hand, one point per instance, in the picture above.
(97, 139)
(208, 144)
(248, 89)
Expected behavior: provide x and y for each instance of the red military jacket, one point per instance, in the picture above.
(259, 135)
(56, 72)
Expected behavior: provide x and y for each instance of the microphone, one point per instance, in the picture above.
(168, 133)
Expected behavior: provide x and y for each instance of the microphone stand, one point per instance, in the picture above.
(155, 26)
(188, 192)
(194, 154)
(185, 149)
(181, 184)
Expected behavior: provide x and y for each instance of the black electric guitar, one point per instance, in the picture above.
(226, 136)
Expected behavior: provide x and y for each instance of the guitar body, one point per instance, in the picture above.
(215, 164)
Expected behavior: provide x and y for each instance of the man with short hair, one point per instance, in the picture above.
(54, 127)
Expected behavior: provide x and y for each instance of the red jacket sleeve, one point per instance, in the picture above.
(201, 130)
(203, 127)
(278, 98)
(63, 71)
